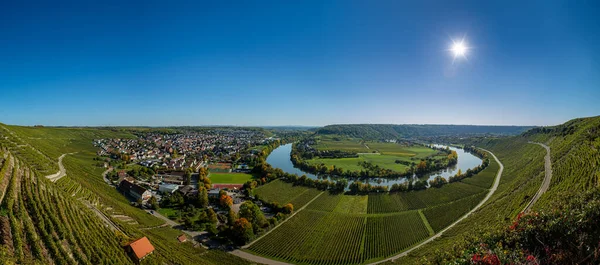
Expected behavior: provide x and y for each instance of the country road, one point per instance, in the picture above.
(487, 197)
(61, 169)
(547, 177)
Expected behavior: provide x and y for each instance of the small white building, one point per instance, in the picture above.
(168, 188)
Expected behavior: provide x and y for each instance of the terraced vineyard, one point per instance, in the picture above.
(348, 229)
(40, 223)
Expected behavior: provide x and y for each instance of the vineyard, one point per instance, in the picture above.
(351, 229)
(41, 223)
(279, 191)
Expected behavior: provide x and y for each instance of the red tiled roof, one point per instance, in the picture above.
(182, 238)
(141, 247)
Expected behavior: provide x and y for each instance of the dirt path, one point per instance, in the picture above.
(547, 177)
(258, 259)
(106, 179)
(487, 197)
(102, 216)
(61, 169)
(263, 260)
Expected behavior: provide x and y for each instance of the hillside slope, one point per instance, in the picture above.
(392, 131)
(575, 155)
(42, 222)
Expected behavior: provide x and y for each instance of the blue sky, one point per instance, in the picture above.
(304, 63)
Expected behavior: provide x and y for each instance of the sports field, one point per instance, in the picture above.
(229, 178)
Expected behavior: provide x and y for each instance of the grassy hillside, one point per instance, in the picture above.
(391, 131)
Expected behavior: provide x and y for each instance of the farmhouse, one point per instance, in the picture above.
(134, 190)
(139, 249)
(182, 238)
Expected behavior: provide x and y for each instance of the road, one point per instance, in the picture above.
(102, 216)
(263, 260)
(105, 178)
(61, 169)
(193, 234)
(487, 197)
(547, 177)
(290, 217)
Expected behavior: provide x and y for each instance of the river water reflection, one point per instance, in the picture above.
(280, 158)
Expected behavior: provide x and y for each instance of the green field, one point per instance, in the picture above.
(230, 178)
(377, 153)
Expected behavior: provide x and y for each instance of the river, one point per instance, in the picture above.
(280, 158)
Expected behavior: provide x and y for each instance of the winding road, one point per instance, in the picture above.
(547, 177)
(61, 169)
(481, 203)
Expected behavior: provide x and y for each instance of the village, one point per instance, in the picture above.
(193, 180)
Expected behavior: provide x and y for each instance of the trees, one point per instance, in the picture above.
(153, 203)
(211, 216)
(288, 208)
(242, 231)
(201, 199)
(231, 217)
(253, 214)
(226, 201)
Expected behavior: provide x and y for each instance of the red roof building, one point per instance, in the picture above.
(140, 249)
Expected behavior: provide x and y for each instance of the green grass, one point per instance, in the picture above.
(230, 178)
(384, 161)
(381, 154)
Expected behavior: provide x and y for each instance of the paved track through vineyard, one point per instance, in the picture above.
(547, 177)
(487, 197)
(61, 170)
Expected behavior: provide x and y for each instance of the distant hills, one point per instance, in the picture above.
(391, 131)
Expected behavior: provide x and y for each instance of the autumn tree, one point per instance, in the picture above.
(288, 208)
(231, 217)
(242, 231)
(226, 201)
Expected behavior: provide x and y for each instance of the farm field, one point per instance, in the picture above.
(384, 161)
(230, 178)
(382, 154)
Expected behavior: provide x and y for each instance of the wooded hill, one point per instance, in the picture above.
(392, 131)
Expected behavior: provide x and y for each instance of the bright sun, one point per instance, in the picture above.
(459, 48)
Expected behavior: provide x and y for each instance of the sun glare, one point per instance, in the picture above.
(459, 48)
